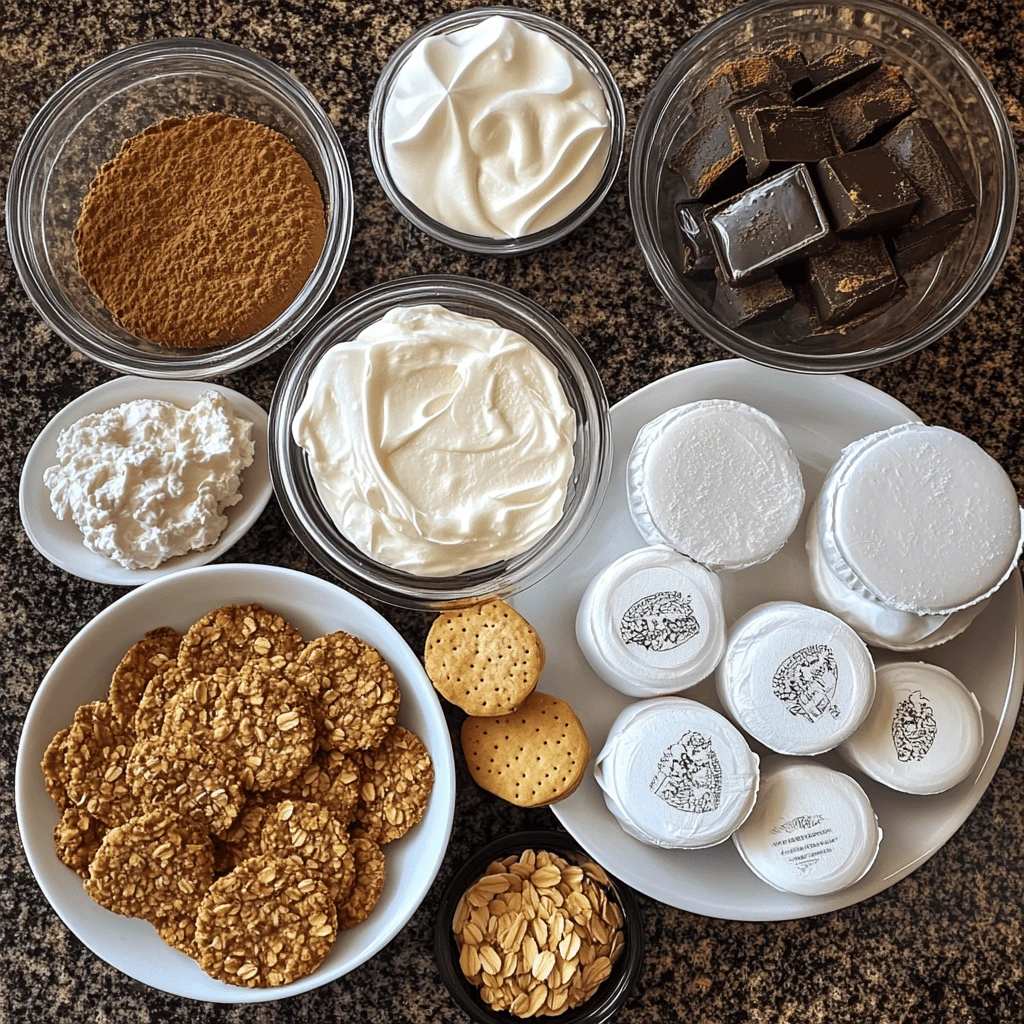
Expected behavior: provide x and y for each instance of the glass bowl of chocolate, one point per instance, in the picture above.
(823, 187)
(179, 209)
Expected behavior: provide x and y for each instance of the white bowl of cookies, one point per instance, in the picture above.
(250, 767)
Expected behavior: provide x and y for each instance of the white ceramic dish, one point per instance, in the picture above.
(81, 674)
(61, 542)
(819, 416)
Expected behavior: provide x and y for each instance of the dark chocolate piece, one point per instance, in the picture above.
(736, 81)
(775, 137)
(838, 69)
(707, 157)
(947, 202)
(865, 191)
(869, 107)
(851, 278)
(791, 59)
(740, 304)
(778, 220)
(698, 249)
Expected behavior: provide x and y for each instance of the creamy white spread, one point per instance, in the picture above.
(495, 130)
(148, 480)
(438, 442)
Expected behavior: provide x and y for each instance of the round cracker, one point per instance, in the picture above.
(356, 696)
(55, 770)
(96, 753)
(370, 873)
(267, 923)
(395, 783)
(140, 664)
(485, 660)
(533, 757)
(77, 837)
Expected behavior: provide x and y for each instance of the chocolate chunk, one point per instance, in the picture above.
(866, 192)
(710, 157)
(791, 59)
(838, 69)
(775, 137)
(778, 220)
(735, 81)
(947, 202)
(869, 107)
(698, 249)
(851, 278)
(739, 304)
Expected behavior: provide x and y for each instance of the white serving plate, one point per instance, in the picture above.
(82, 672)
(61, 542)
(819, 415)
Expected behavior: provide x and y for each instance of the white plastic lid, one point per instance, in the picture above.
(677, 774)
(920, 518)
(717, 481)
(873, 622)
(813, 830)
(924, 732)
(652, 623)
(796, 678)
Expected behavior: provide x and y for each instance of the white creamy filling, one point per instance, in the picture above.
(147, 480)
(438, 442)
(496, 129)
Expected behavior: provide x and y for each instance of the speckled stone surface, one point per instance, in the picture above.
(942, 946)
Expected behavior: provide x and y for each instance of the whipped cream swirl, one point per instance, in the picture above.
(438, 442)
(496, 130)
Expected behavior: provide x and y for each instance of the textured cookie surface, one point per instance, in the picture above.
(332, 780)
(149, 715)
(395, 781)
(535, 756)
(55, 770)
(144, 659)
(485, 660)
(370, 873)
(96, 753)
(77, 837)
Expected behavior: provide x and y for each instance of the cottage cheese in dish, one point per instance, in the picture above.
(148, 480)
(496, 130)
(438, 442)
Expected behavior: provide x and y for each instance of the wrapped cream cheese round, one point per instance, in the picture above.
(924, 732)
(438, 442)
(796, 678)
(495, 130)
(920, 520)
(677, 774)
(812, 831)
(652, 623)
(716, 481)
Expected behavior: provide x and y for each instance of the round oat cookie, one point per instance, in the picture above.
(356, 694)
(204, 793)
(308, 832)
(228, 637)
(96, 753)
(267, 923)
(149, 716)
(144, 659)
(179, 933)
(55, 770)
(242, 839)
(332, 781)
(155, 866)
(533, 757)
(485, 660)
(395, 784)
(77, 837)
(369, 883)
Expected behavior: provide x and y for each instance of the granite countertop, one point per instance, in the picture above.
(944, 945)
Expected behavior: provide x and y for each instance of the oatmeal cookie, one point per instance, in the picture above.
(55, 770)
(149, 716)
(395, 783)
(369, 883)
(96, 753)
(77, 837)
(143, 661)
(332, 780)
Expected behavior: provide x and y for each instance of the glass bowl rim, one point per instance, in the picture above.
(392, 586)
(655, 109)
(480, 244)
(83, 336)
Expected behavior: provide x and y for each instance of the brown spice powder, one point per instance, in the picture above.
(201, 231)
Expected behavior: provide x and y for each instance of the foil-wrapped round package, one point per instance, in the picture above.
(795, 677)
(677, 774)
(716, 481)
(924, 731)
(812, 831)
(652, 622)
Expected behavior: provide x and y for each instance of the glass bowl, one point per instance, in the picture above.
(951, 90)
(615, 990)
(83, 124)
(296, 490)
(581, 50)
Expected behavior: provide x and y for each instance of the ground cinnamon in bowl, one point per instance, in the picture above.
(201, 231)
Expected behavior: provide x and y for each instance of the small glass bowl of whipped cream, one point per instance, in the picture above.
(496, 130)
(439, 439)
